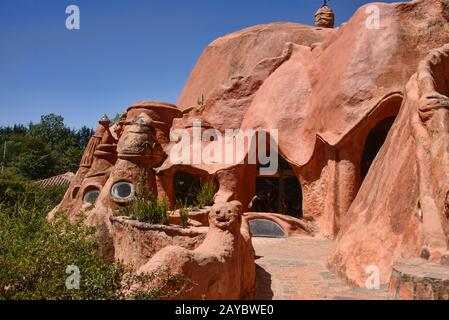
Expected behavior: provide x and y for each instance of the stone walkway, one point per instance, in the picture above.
(295, 269)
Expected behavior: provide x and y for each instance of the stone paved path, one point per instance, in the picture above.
(295, 269)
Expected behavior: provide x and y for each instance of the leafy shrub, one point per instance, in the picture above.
(147, 208)
(35, 254)
(183, 212)
(205, 194)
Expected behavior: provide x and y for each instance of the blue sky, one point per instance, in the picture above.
(125, 51)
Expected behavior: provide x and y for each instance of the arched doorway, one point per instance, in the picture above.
(374, 143)
(279, 193)
(186, 186)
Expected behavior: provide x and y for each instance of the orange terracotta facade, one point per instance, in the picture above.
(329, 92)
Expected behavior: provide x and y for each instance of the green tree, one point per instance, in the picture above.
(51, 129)
(36, 161)
(44, 149)
(69, 160)
(83, 135)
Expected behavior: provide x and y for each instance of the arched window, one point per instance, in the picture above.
(75, 192)
(266, 229)
(374, 143)
(280, 193)
(388, 109)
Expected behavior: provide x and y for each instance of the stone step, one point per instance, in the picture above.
(419, 279)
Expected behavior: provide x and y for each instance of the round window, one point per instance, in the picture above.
(91, 196)
(122, 190)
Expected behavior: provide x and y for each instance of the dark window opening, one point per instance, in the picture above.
(267, 195)
(292, 197)
(284, 165)
(75, 192)
(90, 197)
(186, 186)
(280, 193)
(374, 143)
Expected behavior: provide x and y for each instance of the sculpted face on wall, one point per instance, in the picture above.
(226, 217)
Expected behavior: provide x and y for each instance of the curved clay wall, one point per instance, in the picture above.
(400, 209)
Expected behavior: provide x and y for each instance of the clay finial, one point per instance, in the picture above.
(325, 17)
(105, 120)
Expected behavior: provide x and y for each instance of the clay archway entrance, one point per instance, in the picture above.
(279, 193)
(374, 143)
(186, 185)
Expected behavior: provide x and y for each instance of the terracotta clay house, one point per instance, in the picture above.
(339, 100)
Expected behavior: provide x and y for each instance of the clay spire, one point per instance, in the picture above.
(94, 141)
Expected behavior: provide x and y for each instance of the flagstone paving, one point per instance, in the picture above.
(295, 269)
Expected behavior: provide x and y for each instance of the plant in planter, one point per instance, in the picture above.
(148, 209)
(205, 194)
(183, 212)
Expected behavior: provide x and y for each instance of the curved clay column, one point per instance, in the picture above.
(431, 132)
(329, 182)
(228, 181)
(347, 182)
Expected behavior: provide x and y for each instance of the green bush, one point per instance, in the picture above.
(147, 208)
(35, 253)
(205, 194)
(183, 212)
